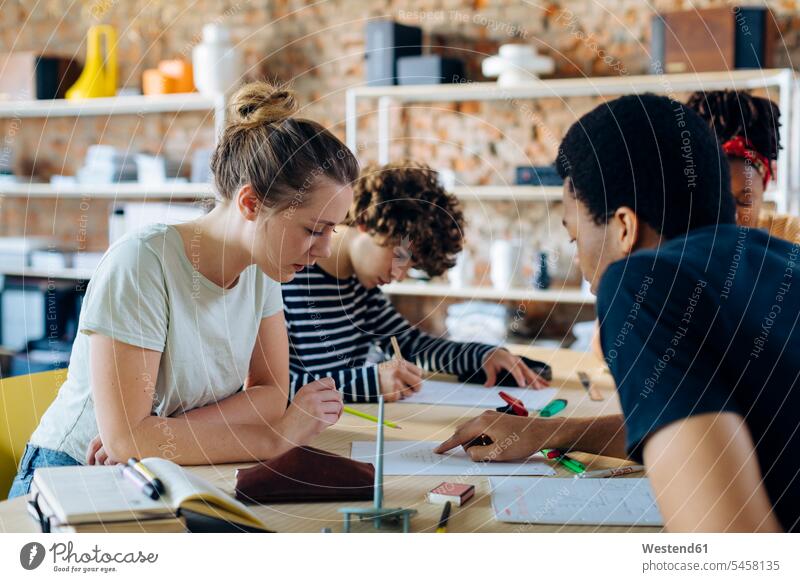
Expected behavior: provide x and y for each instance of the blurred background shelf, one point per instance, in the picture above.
(571, 295)
(130, 191)
(61, 274)
(510, 192)
(579, 86)
(125, 105)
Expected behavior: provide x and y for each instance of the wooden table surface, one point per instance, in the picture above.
(419, 422)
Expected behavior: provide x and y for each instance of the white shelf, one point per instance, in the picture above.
(178, 191)
(579, 87)
(522, 193)
(64, 274)
(786, 193)
(127, 105)
(564, 295)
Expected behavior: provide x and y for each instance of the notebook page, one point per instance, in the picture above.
(620, 501)
(418, 458)
(476, 396)
(182, 485)
(84, 494)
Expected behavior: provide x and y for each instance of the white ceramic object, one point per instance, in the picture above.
(216, 63)
(517, 64)
(506, 264)
(463, 272)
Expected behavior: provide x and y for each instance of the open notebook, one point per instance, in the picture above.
(101, 494)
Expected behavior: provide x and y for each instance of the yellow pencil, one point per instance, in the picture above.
(396, 348)
(366, 416)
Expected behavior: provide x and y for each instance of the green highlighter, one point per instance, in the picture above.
(553, 407)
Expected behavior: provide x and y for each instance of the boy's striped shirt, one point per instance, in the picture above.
(333, 323)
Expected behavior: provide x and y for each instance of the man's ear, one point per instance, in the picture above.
(247, 202)
(627, 229)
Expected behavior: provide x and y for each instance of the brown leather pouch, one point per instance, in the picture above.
(306, 474)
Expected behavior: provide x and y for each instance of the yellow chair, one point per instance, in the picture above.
(23, 400)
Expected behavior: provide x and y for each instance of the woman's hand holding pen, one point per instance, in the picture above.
(315, 407)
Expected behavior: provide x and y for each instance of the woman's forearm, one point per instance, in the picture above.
(254, 405)
(189, 441)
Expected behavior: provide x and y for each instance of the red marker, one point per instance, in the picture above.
(517, 406)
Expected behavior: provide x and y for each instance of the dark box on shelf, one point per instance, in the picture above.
(386, 42)
(538, 176)
(429, 70)
(29, 75)
(717, 39)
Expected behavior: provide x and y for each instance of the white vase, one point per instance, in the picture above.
(216, 63)
(517, 64)
(463, 272)
(506, 264)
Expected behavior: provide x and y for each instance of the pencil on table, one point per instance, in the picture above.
(364, 415)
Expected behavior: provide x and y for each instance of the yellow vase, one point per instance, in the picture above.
(99, 75)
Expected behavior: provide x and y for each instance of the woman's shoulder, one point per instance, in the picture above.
(143, 249)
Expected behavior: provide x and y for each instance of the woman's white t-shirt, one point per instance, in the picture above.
(146, 292)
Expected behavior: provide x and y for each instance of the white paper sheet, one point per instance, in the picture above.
(476, 396)
(619, 501)
(418, 458)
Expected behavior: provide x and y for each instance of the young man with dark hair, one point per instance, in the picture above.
(698, 320)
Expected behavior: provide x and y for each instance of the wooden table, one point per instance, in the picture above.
(419, 423)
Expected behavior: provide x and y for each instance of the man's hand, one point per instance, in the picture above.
(501, 359)
(518, 437)
(513, 437)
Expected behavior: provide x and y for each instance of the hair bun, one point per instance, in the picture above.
(259, 103)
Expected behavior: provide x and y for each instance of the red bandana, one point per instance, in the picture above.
(740, 147)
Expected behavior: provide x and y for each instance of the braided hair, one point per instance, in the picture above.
(734, 113)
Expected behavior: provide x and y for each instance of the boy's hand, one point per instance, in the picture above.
(399, 379)
(501, 359)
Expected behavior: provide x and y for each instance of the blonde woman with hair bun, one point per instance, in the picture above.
(182, 351)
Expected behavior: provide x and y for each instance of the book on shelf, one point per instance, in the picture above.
(101, 499)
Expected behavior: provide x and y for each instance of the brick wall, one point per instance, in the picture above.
(319, 48)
